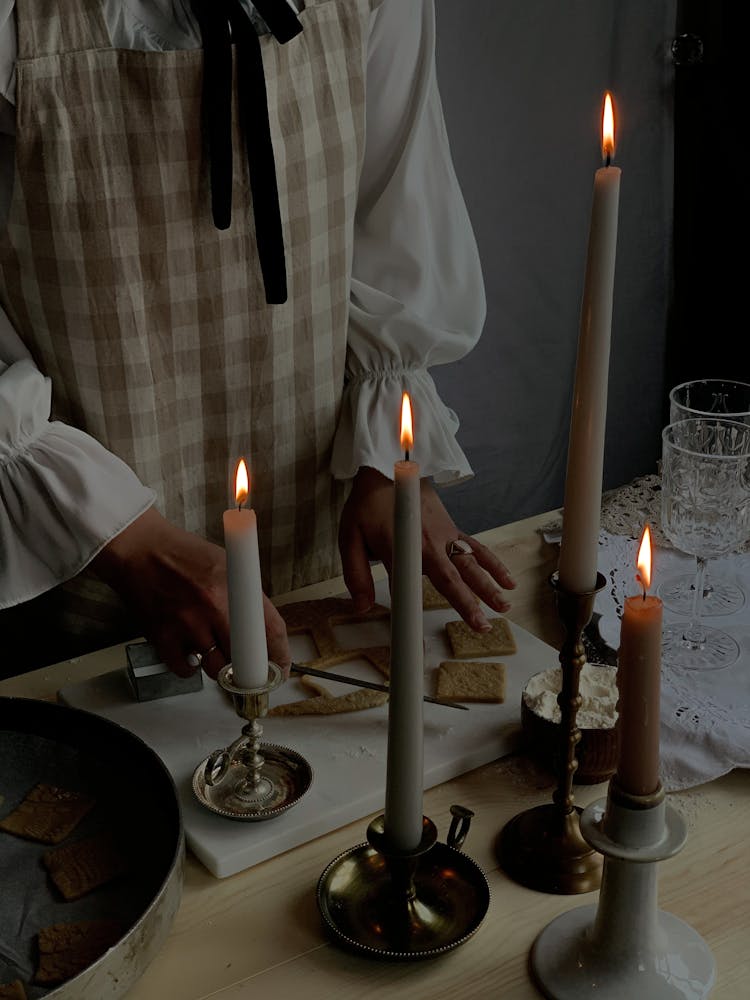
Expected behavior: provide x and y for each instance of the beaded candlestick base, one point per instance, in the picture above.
(250, 780)
(625, 947)
(542, 848)
(404, 905)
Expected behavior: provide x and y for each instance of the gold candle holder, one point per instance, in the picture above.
(543, 848)
(404, 905)
(251, 780)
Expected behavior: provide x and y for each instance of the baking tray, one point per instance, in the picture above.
(135, 798)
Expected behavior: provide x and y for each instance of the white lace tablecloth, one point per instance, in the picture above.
(705, 715)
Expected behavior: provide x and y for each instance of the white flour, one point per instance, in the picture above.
(597, 688)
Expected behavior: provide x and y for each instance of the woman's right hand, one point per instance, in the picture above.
(175, 583)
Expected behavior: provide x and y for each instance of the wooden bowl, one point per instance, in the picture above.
(596, 752)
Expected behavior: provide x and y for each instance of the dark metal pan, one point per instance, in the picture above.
(135, 799)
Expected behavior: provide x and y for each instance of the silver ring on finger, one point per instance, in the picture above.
(458, 547)
(195, 658)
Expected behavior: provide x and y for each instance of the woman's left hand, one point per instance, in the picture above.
(366, 533)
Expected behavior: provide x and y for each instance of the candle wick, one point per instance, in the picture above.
(607, 159)
(406, 455)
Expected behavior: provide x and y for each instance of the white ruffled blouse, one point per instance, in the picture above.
(417, 300)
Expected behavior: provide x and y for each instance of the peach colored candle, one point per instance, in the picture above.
(402, 820)
(583, 478)
(639, 684)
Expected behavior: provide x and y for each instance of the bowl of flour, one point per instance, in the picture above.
(596, 752)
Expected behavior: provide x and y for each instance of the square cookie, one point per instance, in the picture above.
(465, 643)
(471, 680)
(67, 949)
(432, 599)
(13, 991)
(80, 867)
(47, 814)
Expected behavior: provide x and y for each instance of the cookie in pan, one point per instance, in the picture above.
(65, 949)
(13, 991)
(79, 868)
(48, 814)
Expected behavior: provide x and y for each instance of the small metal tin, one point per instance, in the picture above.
(150, 678)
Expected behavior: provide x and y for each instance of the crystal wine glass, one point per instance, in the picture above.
(700, 398)
(706, 512)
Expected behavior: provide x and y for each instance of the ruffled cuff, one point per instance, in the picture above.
(63, 495)
(369, 427)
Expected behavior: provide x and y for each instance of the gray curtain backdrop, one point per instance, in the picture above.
(522, 87)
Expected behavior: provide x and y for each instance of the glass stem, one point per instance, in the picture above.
(695, 634)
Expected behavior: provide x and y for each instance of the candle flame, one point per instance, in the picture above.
(407, 434)
(608, 129)
(644, 559)
(241, 483)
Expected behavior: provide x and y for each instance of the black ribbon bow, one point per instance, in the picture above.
(221, 23)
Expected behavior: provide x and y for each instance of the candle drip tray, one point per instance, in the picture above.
(365, 911)
(284, 778)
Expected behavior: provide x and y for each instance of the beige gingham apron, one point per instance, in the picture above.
(153, 324)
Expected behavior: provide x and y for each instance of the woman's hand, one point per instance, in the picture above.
(366, 533)
(175, 583)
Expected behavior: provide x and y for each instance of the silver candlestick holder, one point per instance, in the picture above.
(251, 780)
(625, 947)
(404, 905)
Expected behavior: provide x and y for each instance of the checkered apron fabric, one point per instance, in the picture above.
(153, 324)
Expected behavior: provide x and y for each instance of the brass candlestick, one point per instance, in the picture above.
(404, 905)
(250, 780)
(542, 848)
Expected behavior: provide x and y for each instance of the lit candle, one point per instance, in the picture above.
(639, 684)
(402, 821)
(583, 481)
(247, 628)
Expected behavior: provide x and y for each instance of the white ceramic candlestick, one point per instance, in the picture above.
(583, 481)
(246, 620)
(625, 946)
(405, 763)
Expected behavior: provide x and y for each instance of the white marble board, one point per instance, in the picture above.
(347, 752)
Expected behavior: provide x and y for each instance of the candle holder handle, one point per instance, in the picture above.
(245, 750)
(543, 848)
(459, 828)
(251, 780)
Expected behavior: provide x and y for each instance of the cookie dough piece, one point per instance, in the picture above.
(471, 680)
(466, 643)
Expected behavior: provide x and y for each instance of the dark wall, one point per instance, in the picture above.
(522, 87)
(708, 330)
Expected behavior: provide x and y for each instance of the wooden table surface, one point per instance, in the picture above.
(259, 933)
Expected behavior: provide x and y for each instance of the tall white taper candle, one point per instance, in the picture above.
(583, 480)
(246, 621)
(402, 821)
